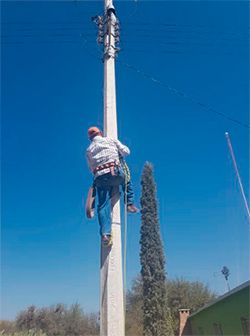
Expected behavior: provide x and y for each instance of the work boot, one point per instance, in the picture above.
(107, 240)
(132, 208)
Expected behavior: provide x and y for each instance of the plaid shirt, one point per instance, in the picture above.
(104, 150)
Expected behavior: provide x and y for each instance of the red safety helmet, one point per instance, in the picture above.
(93, 131)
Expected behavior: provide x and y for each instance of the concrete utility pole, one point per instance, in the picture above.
(111, 296)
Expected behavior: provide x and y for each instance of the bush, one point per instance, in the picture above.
(24, 333)
(180, 294)
(57, 320)
(6, 327)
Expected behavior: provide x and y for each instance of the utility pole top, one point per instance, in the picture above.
(108, 4)
(108, 31)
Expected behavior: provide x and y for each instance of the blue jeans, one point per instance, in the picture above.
(104, 185)
(127, 188)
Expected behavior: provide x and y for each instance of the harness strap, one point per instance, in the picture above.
(106, 165)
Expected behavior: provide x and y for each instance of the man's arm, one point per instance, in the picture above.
(123, 150)
(89, 162)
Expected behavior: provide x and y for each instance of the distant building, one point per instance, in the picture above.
(228, 315)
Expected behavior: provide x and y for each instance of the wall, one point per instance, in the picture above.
(227, 313)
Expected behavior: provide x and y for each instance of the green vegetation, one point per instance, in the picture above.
(56, 320)
(134, 318)
(153, 303)
(186, 294)
(24, 333)
(60, 321)
(156, 315)
(180, 294)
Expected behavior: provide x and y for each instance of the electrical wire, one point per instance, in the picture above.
(135, 9)
(168, 28)
(182, 94)
(141, 72)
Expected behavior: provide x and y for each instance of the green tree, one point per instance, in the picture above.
(186, 294)
(6, 327)
(26, 320)
(58, 320)
(180, 294)
(156, 316)
(25, 333)
(134, 319)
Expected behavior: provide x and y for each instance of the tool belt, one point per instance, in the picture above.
(110, 165)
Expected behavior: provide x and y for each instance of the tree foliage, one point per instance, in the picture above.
(24, 333)
(187, 295)
(7, 327)
(58, 320)
(61, 321)
(134, 320)
(180, 294)
(156, 317)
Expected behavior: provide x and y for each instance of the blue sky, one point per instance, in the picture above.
(52, 92)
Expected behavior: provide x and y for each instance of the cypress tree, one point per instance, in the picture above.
(156, 316)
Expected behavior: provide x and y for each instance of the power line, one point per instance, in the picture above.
(43, 22)
(180, 40)
(169, 47)
(183, 95)
(167, 28)
(43, 38)
(35, 29)
(175, 46)
(40, 35)
(141, 72)
(180, 36)
(41, 42)
(34, 33)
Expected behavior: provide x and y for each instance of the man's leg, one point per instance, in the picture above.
(129, 197)
(128, 193)
(104, 210)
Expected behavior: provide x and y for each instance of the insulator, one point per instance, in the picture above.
(99, 39)
(97, 19)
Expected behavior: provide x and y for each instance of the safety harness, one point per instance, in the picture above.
(110, 165)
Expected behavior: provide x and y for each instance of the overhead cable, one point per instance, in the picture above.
(183, 95)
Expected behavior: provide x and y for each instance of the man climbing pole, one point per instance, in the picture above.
(105, 160)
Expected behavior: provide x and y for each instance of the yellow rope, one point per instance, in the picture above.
(125, 243)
